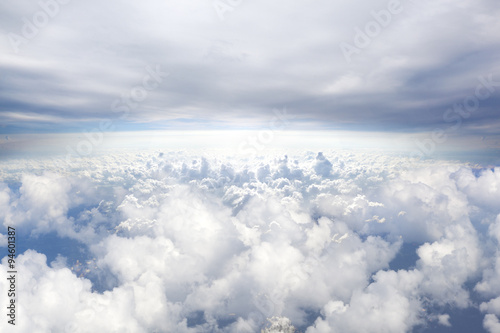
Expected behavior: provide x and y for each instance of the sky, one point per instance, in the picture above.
(389, 66)
(229, 166)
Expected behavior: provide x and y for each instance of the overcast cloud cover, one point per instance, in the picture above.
(65, 74)
(203, 166)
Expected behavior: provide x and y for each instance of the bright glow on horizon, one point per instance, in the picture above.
(239, 142)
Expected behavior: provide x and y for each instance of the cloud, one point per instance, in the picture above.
(387, 305)
(187, 242)
(491, 323)
(444, 320)
(42, 204)
(490, 285)
(405, 79)
(133, 307)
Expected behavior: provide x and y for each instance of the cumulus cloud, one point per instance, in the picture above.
(444, 320)
(42, 203)
(389, 304)
(191, 243)
(491, 323)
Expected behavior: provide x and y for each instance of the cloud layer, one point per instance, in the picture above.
(67, 64)
(198, 243)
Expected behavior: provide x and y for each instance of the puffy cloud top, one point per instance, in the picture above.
(188, 243)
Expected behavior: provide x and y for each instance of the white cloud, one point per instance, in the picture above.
(491, 323)
(389, 304)
(184, 243)
(444, 320)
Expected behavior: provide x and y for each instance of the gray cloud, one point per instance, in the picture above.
(261, 56)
